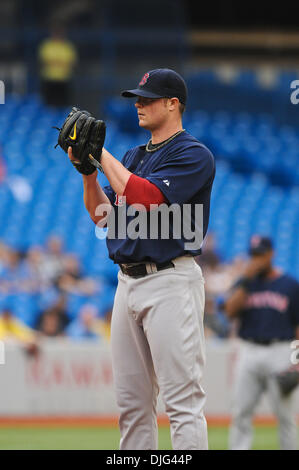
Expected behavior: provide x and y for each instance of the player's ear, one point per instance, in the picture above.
(173, 103)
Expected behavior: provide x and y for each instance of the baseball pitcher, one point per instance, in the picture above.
(157, 336)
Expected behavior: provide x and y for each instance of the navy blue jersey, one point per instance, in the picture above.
(272, 309)
(184, 171)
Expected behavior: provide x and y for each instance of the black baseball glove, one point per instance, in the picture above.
(86, 136)
(287, 381)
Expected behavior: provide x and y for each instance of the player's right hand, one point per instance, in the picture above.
(71, 155)
(74, 162)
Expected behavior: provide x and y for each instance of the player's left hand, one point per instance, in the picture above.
(85, 135)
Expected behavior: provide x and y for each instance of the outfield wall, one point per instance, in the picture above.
(76, 379)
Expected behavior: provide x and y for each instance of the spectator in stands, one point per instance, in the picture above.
(13, 330)
(85, 325)
(52, 263)
(57, 57)
(214, 270)
(50, 324)
(103, 324)
(54, 319)
(73, 281)
(3, 258)
(35, 280)
(209, 257)
(215, 322)
(218, 278)
(11, 276)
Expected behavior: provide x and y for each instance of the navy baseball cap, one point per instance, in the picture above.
(260, 245)
(160, 83)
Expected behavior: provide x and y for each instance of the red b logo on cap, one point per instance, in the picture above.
(144, 79)
(255, 241)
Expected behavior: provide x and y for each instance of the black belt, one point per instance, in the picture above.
(263, 342)
(142, 269)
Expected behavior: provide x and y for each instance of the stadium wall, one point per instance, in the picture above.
(75, 380)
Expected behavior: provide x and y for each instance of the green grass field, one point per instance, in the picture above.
(97, 438)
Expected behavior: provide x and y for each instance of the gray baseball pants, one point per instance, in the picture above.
(255, 371)
(157, 342)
